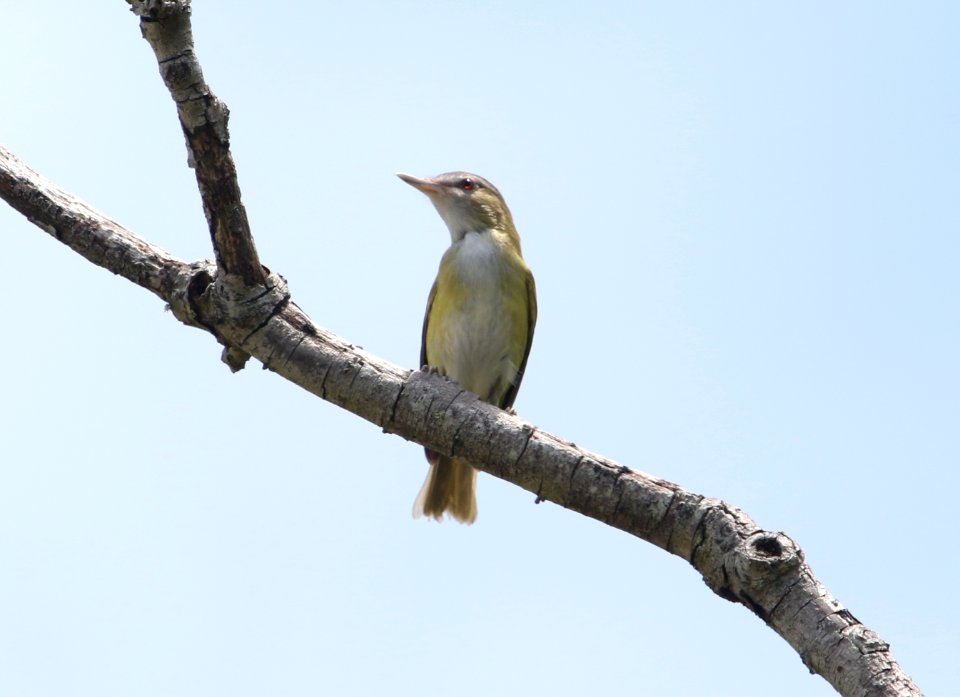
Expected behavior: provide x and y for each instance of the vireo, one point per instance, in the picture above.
(479, 321)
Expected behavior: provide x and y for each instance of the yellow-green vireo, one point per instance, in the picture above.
(479, 321)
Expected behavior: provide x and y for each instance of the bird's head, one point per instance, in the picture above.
(466, 202)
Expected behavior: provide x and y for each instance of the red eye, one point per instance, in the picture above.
(467, 184)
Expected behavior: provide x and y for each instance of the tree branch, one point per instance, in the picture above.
(764, 571)
(165, 24)
(249, 311)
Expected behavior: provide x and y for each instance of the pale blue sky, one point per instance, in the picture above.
(743, 221)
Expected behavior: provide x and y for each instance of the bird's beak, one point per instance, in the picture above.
(426, 185)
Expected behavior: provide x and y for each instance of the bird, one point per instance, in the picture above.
(479, 322)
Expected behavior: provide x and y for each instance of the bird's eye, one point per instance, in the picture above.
(468, 184)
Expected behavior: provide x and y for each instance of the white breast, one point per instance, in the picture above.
(475, 349)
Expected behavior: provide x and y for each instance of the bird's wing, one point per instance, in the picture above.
(511, 393)
(426, 320)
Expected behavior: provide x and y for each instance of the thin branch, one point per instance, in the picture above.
(166, 25)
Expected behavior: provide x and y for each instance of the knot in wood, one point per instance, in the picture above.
(766, 556)
(185, 286)
(762, 570)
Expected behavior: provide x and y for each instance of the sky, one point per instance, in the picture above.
(743, 221)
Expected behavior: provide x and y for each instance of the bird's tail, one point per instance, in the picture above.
(449, 488)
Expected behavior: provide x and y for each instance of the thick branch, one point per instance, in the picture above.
(165, 24)
(761, 570)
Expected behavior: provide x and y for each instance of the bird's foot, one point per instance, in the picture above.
(432, 370)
